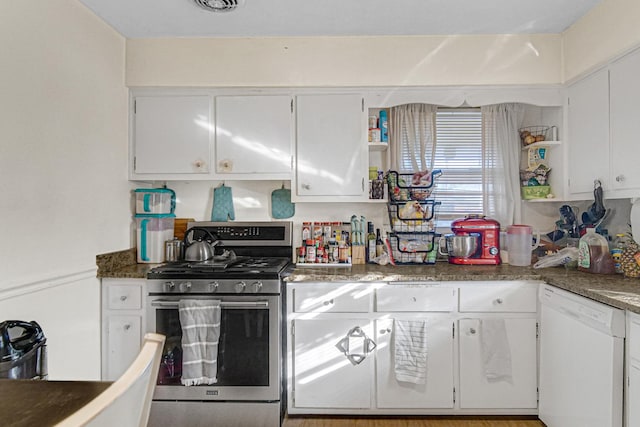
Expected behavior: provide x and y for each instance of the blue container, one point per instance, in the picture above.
(155, 201)
(384, 126)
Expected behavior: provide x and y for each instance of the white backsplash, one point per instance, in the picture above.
(252, 202)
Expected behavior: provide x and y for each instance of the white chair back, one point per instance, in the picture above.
(127, 402)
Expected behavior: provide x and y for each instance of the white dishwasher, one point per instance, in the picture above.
(581, 361)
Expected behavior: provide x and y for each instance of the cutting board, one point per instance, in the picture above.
(180, 227)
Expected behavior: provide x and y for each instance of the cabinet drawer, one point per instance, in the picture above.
(498, 299)
(415, 298)
(332, 298)
(124, 297)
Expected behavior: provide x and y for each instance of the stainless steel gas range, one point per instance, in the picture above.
(247, 282)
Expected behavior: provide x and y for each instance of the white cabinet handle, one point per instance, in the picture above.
(619, 178)
(330, 302)
(305, 186)
(123, 298)
(472, 331)
(127, 327)
(385, 331)
(414, 299)
(499, 301)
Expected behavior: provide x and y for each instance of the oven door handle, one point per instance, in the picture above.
(223, 304)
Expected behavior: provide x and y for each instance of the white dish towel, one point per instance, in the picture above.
(200, 322)
(410, 351)
(496, 353)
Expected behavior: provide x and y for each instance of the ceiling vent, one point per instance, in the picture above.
(219, 5)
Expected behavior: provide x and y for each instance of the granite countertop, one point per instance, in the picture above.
(613, 290)
(121, 265)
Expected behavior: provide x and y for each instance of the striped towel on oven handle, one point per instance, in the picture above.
(200, 323)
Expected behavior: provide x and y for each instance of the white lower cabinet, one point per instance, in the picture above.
(122, 324)
(343, 340)
(323, 375)
(633, 370)
(486, 379)
(437, 391)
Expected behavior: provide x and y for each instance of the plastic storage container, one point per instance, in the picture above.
(520, 244)
(23, 351)
(155, 201)
(593, 254)
(152, 233)
(617, 246)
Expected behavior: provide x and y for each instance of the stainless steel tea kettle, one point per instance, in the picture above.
(200, 249)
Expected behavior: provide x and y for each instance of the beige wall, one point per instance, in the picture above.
(64, 194)
(63, 148)
(345, 61)
(610, 29)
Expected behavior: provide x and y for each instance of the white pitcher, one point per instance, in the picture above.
(520, 244)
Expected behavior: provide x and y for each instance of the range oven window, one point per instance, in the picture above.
(243, 349)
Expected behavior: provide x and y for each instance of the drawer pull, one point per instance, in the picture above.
(127, 327)
(123, 298)
(413, 299)
(385, 331)
(330, 302)
(499, 301)
(472, 331)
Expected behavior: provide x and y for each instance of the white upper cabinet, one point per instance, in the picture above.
(171, 135)
(588, 148)
(253, 136)
(625, 121)
(330, 148)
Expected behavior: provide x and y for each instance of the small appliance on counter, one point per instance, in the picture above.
(475, 240)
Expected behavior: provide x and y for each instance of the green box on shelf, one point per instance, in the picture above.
(535, 192)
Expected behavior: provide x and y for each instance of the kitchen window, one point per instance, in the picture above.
(457, 150)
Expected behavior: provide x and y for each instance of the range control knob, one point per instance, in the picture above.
(240, 287)
(185, 287)
(256, 287)
(213, 286)
(169, 287)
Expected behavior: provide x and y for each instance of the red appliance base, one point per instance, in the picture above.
(474, 261)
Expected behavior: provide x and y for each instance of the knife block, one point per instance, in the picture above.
(357, 255)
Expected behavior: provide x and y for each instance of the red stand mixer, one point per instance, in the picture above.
(475, 240)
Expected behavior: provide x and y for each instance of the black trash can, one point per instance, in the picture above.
(23, 350)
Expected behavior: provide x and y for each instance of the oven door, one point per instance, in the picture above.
(249, 350)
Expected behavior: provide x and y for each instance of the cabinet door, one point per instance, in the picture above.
(124, 336)
(172, 134)
(633, 370)
(253, 135)
(323, 377)
(588, 146)
(476, 390)
(625, 123)
(437, 392)
(331, 148)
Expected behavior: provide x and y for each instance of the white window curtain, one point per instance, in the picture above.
(500, 124)
(419, 144)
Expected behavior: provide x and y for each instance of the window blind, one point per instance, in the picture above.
(458, 153)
